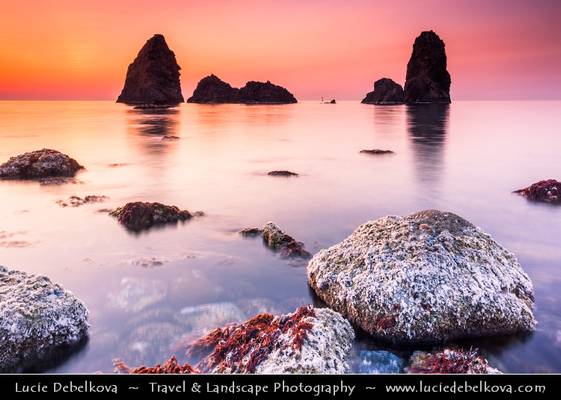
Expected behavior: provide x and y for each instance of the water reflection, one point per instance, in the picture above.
(154, 121)
(427, 125)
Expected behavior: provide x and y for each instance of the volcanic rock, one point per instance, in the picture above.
(547, 191)
(429, 277)
(277, 240)
(427, 79)
(386, 91)
(138, 216)
(39, 164)
(153, 76)
(449, 361)
(38, 320)
(310, 340)
(213, 90)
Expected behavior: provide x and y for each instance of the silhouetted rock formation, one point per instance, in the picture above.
(213, 90)
(386, 91)
(427, 79)
(153, 76)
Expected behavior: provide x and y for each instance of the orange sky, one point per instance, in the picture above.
(63, 49)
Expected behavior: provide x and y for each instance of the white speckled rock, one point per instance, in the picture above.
(431, 276)
(37, 319)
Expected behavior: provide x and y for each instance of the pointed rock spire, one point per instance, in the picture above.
(153, 76)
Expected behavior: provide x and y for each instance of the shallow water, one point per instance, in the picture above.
(143, 290)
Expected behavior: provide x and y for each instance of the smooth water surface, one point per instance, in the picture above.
(145, 291)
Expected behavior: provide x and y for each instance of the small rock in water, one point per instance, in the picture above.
(310, 340)
(40, 164)
(428, 277)
(379, 362)
(547, 191)
(170, 137)
(139, 216)
(38, 319)
(76, 201)
(376, 152)
(449, 361)
(279, 241)
(251, 232)
(386, 91)
(282, 173)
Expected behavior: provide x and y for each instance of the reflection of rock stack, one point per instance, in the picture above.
(426, 126)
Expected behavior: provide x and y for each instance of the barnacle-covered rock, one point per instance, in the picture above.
(38, 319)
(449, 361)
(309, 340)
(546, 191)
(39, 164)
(138, 215)
(431, 276)
(277, 240)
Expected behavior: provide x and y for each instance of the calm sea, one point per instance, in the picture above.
(149, 294)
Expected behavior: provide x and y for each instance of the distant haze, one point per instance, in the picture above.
(67, 49)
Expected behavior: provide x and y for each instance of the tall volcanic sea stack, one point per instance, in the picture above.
(427, 79)
(153, 76)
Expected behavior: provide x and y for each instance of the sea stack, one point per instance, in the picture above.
(386, 91)
(153, 76)
(427, 79)
(213, 90)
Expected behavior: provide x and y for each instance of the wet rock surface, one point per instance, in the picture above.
(251, 232)
(138, 216)
(213, 90)
(77, 201)
(286, 245)
(153, 77)
(429, 277)
(386, 91)
(546, 191)
(38, 319)
(427, 80)
(310, 340)
(39, 164)
(376, 152)
(379, 362)
(282, 173)
(449, 361)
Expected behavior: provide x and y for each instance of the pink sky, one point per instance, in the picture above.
(62, 49)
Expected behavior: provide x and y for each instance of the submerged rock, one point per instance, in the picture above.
(449, 361)
(39, 164)
(376, 152)
(201, 318)
(153, 77)
(38, 319)
(213, 90)
(139, 216)
(286, 174)
(279, 241)
(427, 79)
(76, 201)
(547, 191)
(431, 276)
(379, 362)
(386, 91)
(310, 340)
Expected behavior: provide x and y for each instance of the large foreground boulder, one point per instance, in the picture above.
(386, 91)
(213, 90)
(39, 164)
(427, 79)
(153, 76)
(429, 277)
(38, 319)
